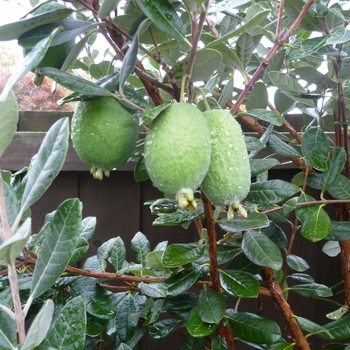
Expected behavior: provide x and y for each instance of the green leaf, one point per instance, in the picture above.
(282, 102)
(98, 302)
(285, 82)
(258, 166)
(94, 326)
(69, 327)
(218, 343)
(30, 62)
(280, 147)
(47, 163)
(252, 22)
(163, 328)
(196, 327)
(315, 148)
(308, 47)
(60, 239)
(182, 254)
(182, 281)
(75, 83)
(276, 234)
(302, 277)
(40, 326)
(107, 7)
(311, 327)
(339, 36)
(104, 252)
(79, 251)
(206, 63)
(339, 329)
(253, 328)
(153, 290)
(13, 30)
(271, 191)
(331, 248)
(244, 49)
(150, 114)
(118, 254)
(316, 224)
(211, 305)
(340, 188)
(140, 246)
(164, 206)
(163, 15)
(12, 247)
(253, 144)
(312, 290)
(265, 115)
(339, 231)
(88, 227)
(261, 250)
(275, 64)
(154, 260)
(254, 220)
(180, 217)
(140, 171)
(239, 284)
(192, 343)
(8, 119)
(8, 331)
(227, 5)
(297, 263)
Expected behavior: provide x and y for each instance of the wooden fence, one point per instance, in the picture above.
(118, 204)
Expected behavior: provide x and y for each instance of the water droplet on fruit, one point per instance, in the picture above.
(230, 168)
(230, 145)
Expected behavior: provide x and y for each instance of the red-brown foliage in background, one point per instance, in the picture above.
(31, 97)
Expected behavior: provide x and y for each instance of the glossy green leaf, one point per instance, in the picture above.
(182, 254)
(308, 47)
(339, 36)
(227, 5)
(164, 206)
(192, 343)
(254, 220)
(285, 82)
(312, 290)
(261, 250)
(95, 326)
(196, 327)
(265, 115)
(118, 254)
(313, 76)
(275, 64)
(316, 224)
(8, 333)
(155, 310)
(180, 217)
(140, 171)
(311, 327)
(258, 166)
(153, 290)
(12, 247)
(290, 205)
(60, 239)
(163, 15)
(297, 263)
(8, 119)
(68, 328)
(281, 147)
(253, 144)
(302, 277)
(40, 326)
(154, 260)
(239, 283)
(340, 188)
(140, 246)
(242, 263)
(75, 83)
(13, 30)
(315, 148)
(211, 305)
(163, 328)
(218, 343)
(104, 252)
(253, 328)
(150, 114)
(226, 93)
(88, 227)
(30, 62)
(276, 234)
(124, 346)
(331, 248)
(80, 250)
(252, 22)
(244, 49)
(98, 302)
(339, 329)
(340, 231)
(107, 7)
(46, 165)
(271, 191)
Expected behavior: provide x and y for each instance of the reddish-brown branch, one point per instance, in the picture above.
(278, 297)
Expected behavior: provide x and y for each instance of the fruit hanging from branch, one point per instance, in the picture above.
(104, 134)
(177, 152)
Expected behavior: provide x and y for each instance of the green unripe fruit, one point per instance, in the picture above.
(177, 152)
(227, 181)
(55, 55)
(104, 134)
